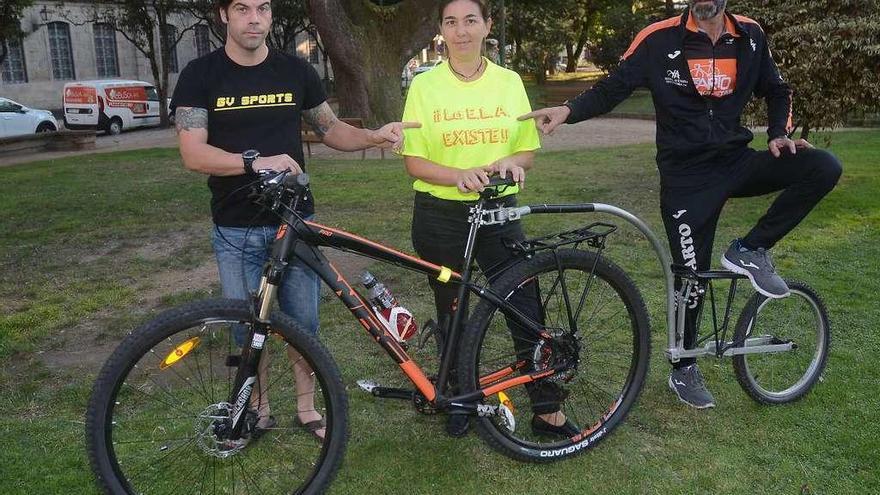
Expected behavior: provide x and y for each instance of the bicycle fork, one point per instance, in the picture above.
(248, 374)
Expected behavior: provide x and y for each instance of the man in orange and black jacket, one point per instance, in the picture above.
(702, 68)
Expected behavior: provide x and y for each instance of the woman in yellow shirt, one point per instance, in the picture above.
(468, 107)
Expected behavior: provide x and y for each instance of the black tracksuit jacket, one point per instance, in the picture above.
(693, 132)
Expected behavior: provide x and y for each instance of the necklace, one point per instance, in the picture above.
(479, 67)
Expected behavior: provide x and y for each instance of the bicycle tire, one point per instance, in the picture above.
(614, 336)
(148, 428)
(783, 377)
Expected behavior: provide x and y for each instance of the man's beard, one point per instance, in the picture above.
(707, 10)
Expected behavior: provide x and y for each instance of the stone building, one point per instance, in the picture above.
(60, 46)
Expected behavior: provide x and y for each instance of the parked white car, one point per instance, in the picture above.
(17, 119)
(425, 67)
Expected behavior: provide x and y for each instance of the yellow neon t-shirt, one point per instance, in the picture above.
(466, 124)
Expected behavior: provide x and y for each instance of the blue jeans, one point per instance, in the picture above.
(241, 254)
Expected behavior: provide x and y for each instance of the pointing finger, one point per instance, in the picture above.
(530, 115)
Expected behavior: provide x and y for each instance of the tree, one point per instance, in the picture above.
(10, 23)
(617, 26)
(145, 24)
(539, 30)
(828, 51)
(368, 45)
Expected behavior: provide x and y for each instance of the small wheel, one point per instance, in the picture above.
(786, 376)
(160, 407)
(45, 127)
(114, 128)
(597, 334)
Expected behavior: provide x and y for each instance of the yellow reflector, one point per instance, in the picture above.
(505, 401)
(445, 274)
(179, 352)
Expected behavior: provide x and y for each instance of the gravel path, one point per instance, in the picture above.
(590, 134)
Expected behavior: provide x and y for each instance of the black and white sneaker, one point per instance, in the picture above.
(689, 386)
(756, 265)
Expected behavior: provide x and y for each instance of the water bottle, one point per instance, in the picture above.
(397, 320)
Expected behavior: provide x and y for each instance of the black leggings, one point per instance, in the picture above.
(439, 235)
(691, 208)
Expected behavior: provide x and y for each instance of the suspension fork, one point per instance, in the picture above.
(246, 377)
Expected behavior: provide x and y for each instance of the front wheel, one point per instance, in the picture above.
(159, 411)
(596, 337)
(802, 320)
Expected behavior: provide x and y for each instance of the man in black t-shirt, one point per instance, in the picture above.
(247, 96)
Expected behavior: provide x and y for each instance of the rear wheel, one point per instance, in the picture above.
(114, 128)
(160, 408)
(786, 376)
(597, 336)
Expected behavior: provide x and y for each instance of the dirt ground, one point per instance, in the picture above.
(590, 134)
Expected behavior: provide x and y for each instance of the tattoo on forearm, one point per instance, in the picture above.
(188, 118)
(321, 118)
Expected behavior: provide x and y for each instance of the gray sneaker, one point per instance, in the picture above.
(758, 267)
(688, 385)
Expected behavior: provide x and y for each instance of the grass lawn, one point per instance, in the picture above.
(94, 245)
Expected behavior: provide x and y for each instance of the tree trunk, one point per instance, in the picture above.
(571, 63)
(162, 80)
(368, 46)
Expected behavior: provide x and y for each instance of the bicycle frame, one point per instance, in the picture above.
(301, 238)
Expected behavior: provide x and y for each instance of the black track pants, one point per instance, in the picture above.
(691, 208)
(439, 235)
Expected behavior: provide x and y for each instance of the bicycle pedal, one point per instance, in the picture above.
(367, 385)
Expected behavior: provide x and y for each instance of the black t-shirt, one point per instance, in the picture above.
(255, 107)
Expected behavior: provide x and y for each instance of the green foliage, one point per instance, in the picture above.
(618, 25)
(10, 22)
(828, 50)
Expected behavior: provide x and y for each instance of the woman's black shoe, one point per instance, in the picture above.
(565, 430)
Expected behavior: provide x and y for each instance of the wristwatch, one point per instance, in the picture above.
(249, 157)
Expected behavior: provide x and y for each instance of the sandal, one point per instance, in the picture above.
(312, 427)
(252, 423)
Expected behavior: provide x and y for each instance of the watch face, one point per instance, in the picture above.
(250, 155)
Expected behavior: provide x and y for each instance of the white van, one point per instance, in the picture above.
(110, 105)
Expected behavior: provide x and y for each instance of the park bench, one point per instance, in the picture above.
(557, 93)
(309, 136)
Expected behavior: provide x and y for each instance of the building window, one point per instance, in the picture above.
(313, 49)
(105, 51)
(203, 42)
(171, 43)
(59, 51)
(13, 69)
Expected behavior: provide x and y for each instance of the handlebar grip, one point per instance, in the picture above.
(496, 180)
(299, 180)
